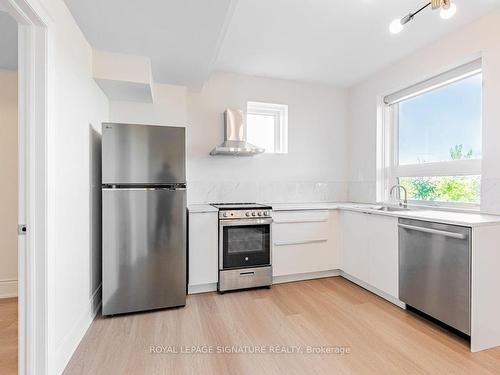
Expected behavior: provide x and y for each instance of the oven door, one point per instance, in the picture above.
(244, 243)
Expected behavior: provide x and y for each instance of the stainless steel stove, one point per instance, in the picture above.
(244, 245)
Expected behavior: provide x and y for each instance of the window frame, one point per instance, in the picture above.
(388, 169)
(280, 114)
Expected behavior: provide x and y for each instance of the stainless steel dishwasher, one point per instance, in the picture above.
(434, 270)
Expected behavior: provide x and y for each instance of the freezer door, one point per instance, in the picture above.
(144, 249)
(143, 154)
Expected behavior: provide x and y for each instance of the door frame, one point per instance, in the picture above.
(34, 27)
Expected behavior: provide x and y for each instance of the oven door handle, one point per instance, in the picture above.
(247, 273)
(240, 222)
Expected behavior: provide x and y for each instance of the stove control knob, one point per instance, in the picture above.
(260, 213)
(224, 214)
(253, 213)
(266, 213)
(247, 214)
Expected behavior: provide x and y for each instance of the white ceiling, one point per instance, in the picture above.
(337, 42)
(180, 36)
(334, 41)
(8, 42)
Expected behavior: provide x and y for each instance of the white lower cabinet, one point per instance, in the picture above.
(303, 242)
(354, 249)
(203, 248)
(369, 250)
(384, 254)
(362, 245)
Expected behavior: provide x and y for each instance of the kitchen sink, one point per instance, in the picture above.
(392, 209)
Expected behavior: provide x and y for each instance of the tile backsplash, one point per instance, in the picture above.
(277, 192)
(362, 191)
(490, 195)
(302, 191)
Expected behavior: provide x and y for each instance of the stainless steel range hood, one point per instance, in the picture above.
(234, 137)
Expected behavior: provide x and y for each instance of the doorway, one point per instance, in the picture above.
(33, 96)
(8, 194)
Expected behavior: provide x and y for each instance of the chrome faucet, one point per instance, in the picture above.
(405, 200)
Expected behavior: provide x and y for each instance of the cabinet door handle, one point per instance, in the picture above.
(299, 242)
(300, 221)
(445, 233)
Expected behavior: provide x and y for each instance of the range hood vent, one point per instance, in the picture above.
(235, 143)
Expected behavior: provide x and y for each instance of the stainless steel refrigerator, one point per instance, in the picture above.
(143, 218)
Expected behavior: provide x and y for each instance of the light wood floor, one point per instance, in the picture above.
(8, 336)
(383, 339)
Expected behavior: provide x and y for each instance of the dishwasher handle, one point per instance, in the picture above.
(445, 233)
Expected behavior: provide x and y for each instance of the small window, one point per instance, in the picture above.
(432, 141)
(267, 126)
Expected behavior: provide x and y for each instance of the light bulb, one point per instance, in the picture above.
(448, 12)
(396, 26)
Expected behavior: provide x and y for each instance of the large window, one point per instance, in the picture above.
(267, 126)
(432, 141)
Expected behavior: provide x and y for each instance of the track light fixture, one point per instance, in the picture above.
(447, 10)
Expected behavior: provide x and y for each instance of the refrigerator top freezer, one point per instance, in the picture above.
(143, 154)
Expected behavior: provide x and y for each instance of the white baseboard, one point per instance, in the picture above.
(8, 288)
(374, 290)
(71, 341)
(202, 288)
(305, 276)
(212, 287)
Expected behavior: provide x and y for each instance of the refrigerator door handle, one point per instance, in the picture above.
(173, 188)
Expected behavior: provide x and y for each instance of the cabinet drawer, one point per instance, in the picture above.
(309, 216)
(300, 227)
(296, 259)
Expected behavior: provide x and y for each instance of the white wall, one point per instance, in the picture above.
(77, 108)
(8, 186)
(169, 108)
(315, 169)
(481, 38)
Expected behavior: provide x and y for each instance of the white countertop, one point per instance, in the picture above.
(306, 206)
(446, 217)
(201, 208)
